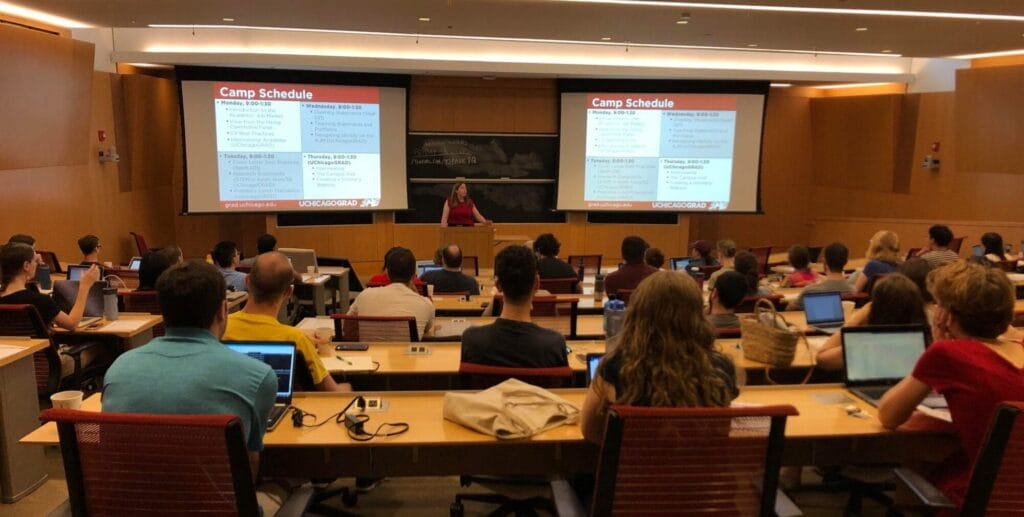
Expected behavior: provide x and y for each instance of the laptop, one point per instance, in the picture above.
(280, 356)
(426, 268)
(978, 250)
(592, 361)
(875, 358)
(679, 263)
(135, 263)
(824, 311)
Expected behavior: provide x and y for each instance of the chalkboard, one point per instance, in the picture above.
(512, 178)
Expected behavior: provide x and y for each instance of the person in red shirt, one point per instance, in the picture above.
(970, 363)
(381, 279)
(634, 270)
(459, 209)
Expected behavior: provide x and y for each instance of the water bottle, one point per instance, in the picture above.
(110, 303)
(598, 287)
(579, 272)
(614, 312)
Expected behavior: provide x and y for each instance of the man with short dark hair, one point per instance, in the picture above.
(937, 252)
(451, 279)
(634, 270)
(264, 244)
(225, 256)
(270, 286)
(729, 291)
(400, 297)
(513, 340)
(189, 371)
(548, 263)
(654, 258)
(836, 256)
(90, 246)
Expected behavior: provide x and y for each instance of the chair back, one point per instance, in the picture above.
(762, 253)
(707, 270)
(859, 299)
(625, 295)
(998, 476)
(955, 244)
(50, 259)
(375, 328)
(471, 265)
(140, 243)
(815, 253)
(727, 332)
(911, 253)
(1009, 266)
(748, 303)
(121, 464)
(560, 314)
(145, 301)
(591, 263)
(244, 269)
(661, 460)
(24, 320)
(128, 279)
(481, 376)
(560, 285)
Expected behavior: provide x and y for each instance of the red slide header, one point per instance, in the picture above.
(296, 92)
(666, 102)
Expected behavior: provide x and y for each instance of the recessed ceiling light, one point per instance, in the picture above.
(606, 38)
(862, 29)
(682, 22)
(781, 85)
(991, 54)
(228, 19)
(424, 19)
(886, 51)
(852, 85)
(752, 45)
(41, 16)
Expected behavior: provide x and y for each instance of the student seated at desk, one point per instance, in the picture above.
(836, 256)
(451, 279)
(270, 285)
(883, 258)
(937, 252)
(188, 371)
(723, 299)
(513, 340)
(18, 264)
(994, 252)
(382, 278)
(90, 247)
(654, 258)
(548, 264)
(42, 270)
(155, 263)
(225, 256)
(802, 276)
(726, 256)
(895, 300)
(968, 363)
(665, 356)
(746, 265)
(264, 244)
(634, 270)
(701, 253)
(400, 297)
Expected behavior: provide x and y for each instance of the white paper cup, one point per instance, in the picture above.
(324, 333)
(848, 307)
(430, 290)
(71, 399)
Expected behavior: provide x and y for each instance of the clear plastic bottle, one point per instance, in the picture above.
(614, 313)
(599, 287)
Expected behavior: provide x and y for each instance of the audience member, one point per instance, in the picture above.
(802, 276)
(42, 270)
(400, 297)
(188, 371)
(701, 252)
(264, 244)
(994, 251)
(746, 265)
(634, 270)
(548, 263)
(895, 300)
(937, 252)
(726, 255)
(968, 363)
(451, 279)
(665, 355)
(381, 279)
(723, 299)
(654, 258)
(18, 264)
(90, 246)
(917, 269)
(439, 257)
(226, 257)
(153, 265)
(173, 253)
(883, 258)
(513, 340)
(270, 286)
(836, 256)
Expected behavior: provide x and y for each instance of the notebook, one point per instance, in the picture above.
(679, 263)
(875, 358)
(592, 361)
(824, 311)
(280, 356)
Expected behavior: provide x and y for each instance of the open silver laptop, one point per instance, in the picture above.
(280, 356)
(875, 358)
(824, 311)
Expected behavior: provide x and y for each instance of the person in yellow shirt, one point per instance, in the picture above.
(270, 285)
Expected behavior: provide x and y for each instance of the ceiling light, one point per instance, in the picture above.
(990, 54)
(147, 65)
(228, 19)
(424, 19)
(606, 38)
(752, 45)
(682, 22)
(781, 85)
(852, 85)
(886, 51)
(862, 29)
(506, 39)
(40, 16)
(810, 10)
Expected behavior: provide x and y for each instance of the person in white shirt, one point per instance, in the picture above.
(400, 297)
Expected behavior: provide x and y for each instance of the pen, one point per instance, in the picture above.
(340, 358)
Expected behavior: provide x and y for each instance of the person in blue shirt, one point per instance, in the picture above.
(226, 257)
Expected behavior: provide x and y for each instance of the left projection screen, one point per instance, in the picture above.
(276, 147)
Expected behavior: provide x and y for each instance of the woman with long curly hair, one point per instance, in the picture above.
(665, 356)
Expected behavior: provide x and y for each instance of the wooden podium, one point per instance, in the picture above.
(475, 241)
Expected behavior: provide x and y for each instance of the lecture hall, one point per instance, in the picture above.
(510, 257)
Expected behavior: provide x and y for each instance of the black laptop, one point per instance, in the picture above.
(592, 361)
(824, 311)
(875, 358)
(679, 263)
(280, 356)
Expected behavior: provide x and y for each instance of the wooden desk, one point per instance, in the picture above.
(22, 469)
(822, 434)
(131, 330)
(459, 306)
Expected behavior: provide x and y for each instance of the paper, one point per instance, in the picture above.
(350, 363)
(311, 324)
(452, 328)
(940, 414)
(8, 350)
(123, 326)
(815, 343)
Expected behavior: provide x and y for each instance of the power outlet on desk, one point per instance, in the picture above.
(417, 349)
(375, 405)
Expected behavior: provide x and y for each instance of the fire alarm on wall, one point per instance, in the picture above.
(101, 135)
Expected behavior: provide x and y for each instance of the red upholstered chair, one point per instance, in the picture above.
(471, 265)
(727, 332)
(997, 480)
(911, 253)
(375, 328)
(715, 461)
(50, 259)
(560, 285)
(708, 270)
(551, 312)
(747, 305)
(591, 263)
(955, 244)
(55, 368)
(147, 302)
(483, 376)
(625, 295)
(140, 243)
(121, 464)
(762, 253)
(859, 299)
(1009, 266)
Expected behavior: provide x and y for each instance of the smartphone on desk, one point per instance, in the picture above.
(352, 347)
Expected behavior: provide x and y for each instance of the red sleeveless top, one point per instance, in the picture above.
(461, 214)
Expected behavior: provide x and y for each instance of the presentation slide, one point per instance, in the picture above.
(254, 147)
(656, 151)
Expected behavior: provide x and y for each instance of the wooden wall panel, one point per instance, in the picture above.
(855, 141)
(45, 106)
(989, 125)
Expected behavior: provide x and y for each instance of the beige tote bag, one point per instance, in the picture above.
(510, 410)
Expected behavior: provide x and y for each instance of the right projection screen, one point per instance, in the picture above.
(673, 152)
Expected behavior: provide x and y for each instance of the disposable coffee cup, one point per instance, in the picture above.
(324, 333)
(430, 290)
(71, 399)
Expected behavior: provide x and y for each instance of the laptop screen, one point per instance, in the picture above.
(823, 307)
(882, 353)
(135, 264)
(978, 250)
(592, 361)
(679, 263)
(424, 269)
(278, 355)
